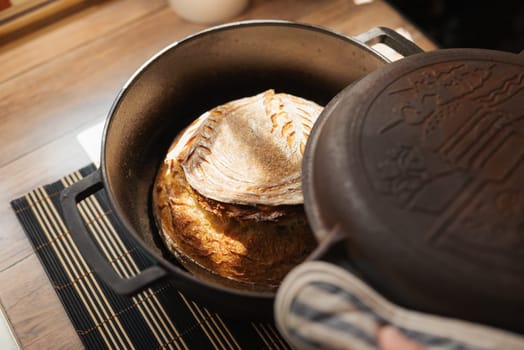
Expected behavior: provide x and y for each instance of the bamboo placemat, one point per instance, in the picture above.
(157, 318)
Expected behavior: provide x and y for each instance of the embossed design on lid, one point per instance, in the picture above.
(421, 167)
(454, 129)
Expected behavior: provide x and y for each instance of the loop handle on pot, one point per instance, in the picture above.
(76, 226)
(327, 244)
(390, 38)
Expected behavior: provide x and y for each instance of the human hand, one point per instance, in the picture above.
(320, 305)
(390, 338)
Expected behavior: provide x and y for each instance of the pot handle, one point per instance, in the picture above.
(69, 198)
(327, 244)
(390, 38)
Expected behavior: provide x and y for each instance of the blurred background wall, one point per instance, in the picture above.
(496, 24)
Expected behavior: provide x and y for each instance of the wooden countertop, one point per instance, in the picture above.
(62, 79)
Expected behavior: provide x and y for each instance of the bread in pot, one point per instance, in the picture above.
(227, 199)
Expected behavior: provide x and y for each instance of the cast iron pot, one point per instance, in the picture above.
(179, 84)
(419, 169)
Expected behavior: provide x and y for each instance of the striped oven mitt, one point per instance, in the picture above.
(322, 306)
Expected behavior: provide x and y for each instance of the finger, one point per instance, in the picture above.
(389, 338)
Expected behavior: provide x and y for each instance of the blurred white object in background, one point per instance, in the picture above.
(8, 339)
(208, 11)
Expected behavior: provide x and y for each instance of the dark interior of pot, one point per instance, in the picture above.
(206, 70)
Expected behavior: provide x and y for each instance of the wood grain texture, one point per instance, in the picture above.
(28, 15)
(38, 168)
(62, 79)
(70, 33)
(32, 305)
(79, 85)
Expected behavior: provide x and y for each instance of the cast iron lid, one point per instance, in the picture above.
(420, 166)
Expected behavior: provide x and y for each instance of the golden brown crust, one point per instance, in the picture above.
(260, 252)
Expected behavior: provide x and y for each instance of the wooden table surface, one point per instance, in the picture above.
(62, 79)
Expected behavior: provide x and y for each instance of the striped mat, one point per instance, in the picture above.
(158, 318)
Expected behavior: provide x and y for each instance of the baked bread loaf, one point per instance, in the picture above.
(227, 198)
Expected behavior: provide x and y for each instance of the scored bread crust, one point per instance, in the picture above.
(250, 150)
